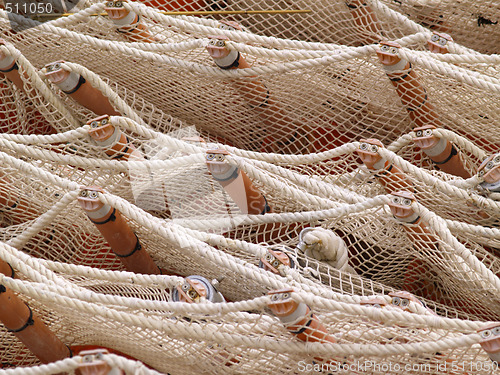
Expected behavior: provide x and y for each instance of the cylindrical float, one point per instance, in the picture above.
(389, 175)
(93, 363)
(439, 42)
(441, 151)
(197, 289)
(275, 260)
(374, 302)
(147, 192)
(116, 144)
(278, 132)
(298, 317)
(9, 68)
(415, 277)
(254, 91)
(116, 231)
(366, 21)
(401, 299)
(128, 22)
(230, 25)
(19, 319)
(490, 341)
(236, 184)
(489, 172)
(401, 207)
(37, 123)
(411, 92)
(79, 89)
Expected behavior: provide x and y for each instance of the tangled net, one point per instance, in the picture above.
(301, 122)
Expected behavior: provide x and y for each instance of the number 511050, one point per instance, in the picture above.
(29, 8)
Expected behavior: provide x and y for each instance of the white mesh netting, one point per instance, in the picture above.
(293, 118)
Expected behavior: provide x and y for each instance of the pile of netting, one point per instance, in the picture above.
(325, 127)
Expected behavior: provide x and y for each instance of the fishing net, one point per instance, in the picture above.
(294, 122)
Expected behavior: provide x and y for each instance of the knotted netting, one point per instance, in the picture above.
(296, 123)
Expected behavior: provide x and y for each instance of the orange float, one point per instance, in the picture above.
(490, 341)
(401, 299)
(14, 203)
(128, 22)
(298, 317)
(79, 89)
(197, 289)
(117, 145)
(389, 176)
(278, 132)
(116, 231)
(489, 172)
(425, 242)
(438, 43)
(236, 184)
(20, 320)
(411, 92)
(93, 363)
(9, 68)
(366, 20)
(275, 260)
(441, 151)
(36, 124)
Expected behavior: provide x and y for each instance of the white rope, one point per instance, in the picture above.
(466, 76)
(461, 142)
(424, 176)
(88, 302)
(439, 226)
